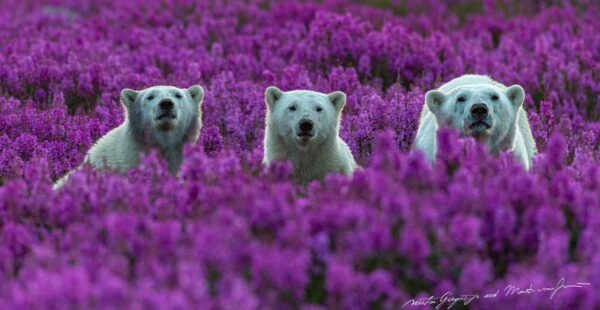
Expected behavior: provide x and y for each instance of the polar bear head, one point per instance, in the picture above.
(486, 111)
(164, 116)
(304, 118)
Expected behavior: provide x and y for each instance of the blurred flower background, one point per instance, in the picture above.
(227, 233)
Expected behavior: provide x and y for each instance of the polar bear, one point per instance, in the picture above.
(482, 108)
(160, 117)
(302, 126)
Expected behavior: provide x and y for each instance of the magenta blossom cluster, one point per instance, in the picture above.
(228, 233)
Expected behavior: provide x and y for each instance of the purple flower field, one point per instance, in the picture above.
(227, 233)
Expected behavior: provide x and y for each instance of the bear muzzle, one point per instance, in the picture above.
(479, 111)
(305, 132)
(479, 119)
(166, 110)
(479, 127)
(307, 128)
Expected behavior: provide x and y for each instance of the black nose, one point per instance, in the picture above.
(306, 125)
(479, 111)
(166, 105)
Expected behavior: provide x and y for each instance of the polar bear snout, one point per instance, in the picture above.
(306, 127)
(479, 111)
(305, 132)
(166, 105)
(479, 120)
(166, 109)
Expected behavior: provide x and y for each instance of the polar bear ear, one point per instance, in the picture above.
(128, 96)
(338, 99)
(197, 93)
(272, 95)
(434, 100)
(516, 94)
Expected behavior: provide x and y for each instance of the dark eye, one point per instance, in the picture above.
(293, 108)
(461, 99)
(319, 109)
(150, 97)
(178, 96)
(494, 97)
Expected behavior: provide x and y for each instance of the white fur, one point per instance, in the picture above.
(311, 158)
(144, 129)
(509, 124)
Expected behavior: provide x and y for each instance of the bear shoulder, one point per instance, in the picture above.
(525, 129)
(116, 150)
